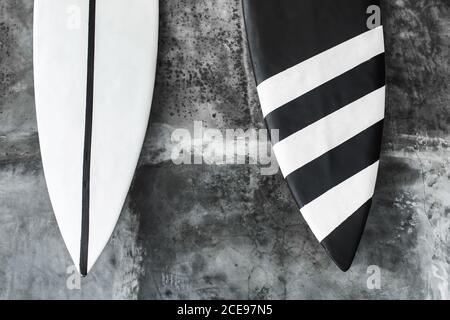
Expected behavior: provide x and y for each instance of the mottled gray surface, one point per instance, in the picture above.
(200, 231)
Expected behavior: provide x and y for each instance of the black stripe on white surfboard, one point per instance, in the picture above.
(328, 98)
(279, 26)
(336, 166)
(84, 243)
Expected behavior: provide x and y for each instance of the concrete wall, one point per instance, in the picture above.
(207, 231)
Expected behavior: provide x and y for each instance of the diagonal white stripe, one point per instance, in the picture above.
(326, 134)
(331, 209)
(305, 76)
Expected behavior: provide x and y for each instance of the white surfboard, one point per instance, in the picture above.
(94, 68)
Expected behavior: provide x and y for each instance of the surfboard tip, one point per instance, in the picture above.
(83, 273)
(342, 244)
(83, 270)
(342, 262)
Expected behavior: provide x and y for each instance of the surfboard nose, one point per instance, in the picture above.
(342, 244)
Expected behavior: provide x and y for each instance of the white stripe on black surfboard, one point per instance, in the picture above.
(286, 32)
(336, 166)
(332, 208)
(84, 245)
(310, 143)
(329, 97)
(303, 77)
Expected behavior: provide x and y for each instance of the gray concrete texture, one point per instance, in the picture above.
(208, 231)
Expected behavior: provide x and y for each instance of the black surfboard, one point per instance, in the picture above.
(320, 75)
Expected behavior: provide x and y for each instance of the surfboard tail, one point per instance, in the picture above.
(319, 69)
